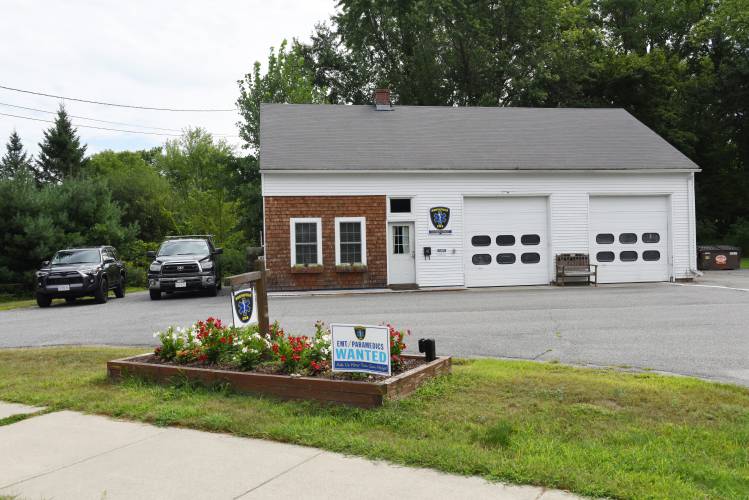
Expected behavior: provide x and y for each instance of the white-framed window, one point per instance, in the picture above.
(351, 241)
(306, 241)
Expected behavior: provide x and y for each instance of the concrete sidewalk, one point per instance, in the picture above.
(68, 455)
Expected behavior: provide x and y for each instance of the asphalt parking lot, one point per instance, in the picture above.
(699, 329)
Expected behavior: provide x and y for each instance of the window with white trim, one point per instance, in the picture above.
(306, 241)
(350, 241)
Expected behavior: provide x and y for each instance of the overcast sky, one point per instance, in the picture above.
(159, 53)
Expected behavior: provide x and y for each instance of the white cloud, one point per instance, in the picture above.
(176, 53)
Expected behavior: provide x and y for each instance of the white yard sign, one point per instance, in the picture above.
(361, 348)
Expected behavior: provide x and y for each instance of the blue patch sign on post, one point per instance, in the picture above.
(244, 307)
(361, 348)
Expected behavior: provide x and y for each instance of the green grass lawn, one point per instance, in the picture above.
(594, 432)
(7, 303)
(745, 263)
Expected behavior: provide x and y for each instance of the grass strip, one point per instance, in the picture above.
(595, 432)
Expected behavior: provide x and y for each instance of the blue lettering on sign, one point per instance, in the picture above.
(361, 359)
(360, 365)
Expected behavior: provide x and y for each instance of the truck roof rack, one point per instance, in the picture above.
(188, 236)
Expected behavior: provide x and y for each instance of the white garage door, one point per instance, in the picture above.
(629, 238)
(506, 241)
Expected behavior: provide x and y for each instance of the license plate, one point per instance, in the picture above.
(63, 288)
(180, 284)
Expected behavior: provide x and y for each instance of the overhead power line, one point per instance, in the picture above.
(102, 103)
(91, 126)
(105, 121)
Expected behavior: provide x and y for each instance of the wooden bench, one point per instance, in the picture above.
(575, 265)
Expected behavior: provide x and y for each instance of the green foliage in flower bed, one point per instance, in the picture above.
(212, 343)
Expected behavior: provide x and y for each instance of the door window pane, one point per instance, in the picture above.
(651, 237)
(605, 256)
(505, 240)
(481, 241)
(350, 239)
(651, 255)
(401, 243)
(305, 237)
(506, 258)
(628, 238)
(481, 259)
(604, 238)
(628, 256)
(530, 239)
(530, 258)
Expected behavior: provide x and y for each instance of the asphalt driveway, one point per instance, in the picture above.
(699, 329)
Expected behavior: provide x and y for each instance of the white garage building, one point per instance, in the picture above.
(441, 196)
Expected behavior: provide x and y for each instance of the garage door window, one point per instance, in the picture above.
(628, 256)
(530, 258)
(605, 239)
(506, 258)
(530, 239)
(481, 241)
(651, 255)
(651, 237)
(628, 238)
(481, 259)
(605, 256)
(505, 240)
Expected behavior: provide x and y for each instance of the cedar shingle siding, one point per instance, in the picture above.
(280, 209)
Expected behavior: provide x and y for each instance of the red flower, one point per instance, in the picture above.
(296, 357)
(283, 359)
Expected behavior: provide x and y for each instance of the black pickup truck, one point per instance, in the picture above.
(185, 263)
(80, 272)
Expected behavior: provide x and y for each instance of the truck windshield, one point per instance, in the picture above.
(183, 248)
(77, 257)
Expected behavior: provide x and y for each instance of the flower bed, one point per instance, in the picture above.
(276, 363)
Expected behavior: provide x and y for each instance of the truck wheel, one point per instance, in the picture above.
(102, 293)
(119, 290)
(155, 294)
(211, 291)
(43, 300)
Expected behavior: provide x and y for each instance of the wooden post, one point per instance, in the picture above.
(262, 297)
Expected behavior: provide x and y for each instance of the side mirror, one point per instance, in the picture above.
(108, 260)
(218, 251)
(151, 254)
(45, 263)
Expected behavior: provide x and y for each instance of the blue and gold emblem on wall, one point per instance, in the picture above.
(440, 217)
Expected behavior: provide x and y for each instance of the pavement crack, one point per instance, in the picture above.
(547, 351)
(273, 478)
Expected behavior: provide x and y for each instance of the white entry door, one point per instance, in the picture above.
(401, 256)
(629, 238)
(506, 241)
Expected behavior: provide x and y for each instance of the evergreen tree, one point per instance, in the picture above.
(15, 162)
(61, 155)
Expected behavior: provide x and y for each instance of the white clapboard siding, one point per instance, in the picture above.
(568, 193)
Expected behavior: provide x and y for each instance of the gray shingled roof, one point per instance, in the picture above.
(336, 137)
